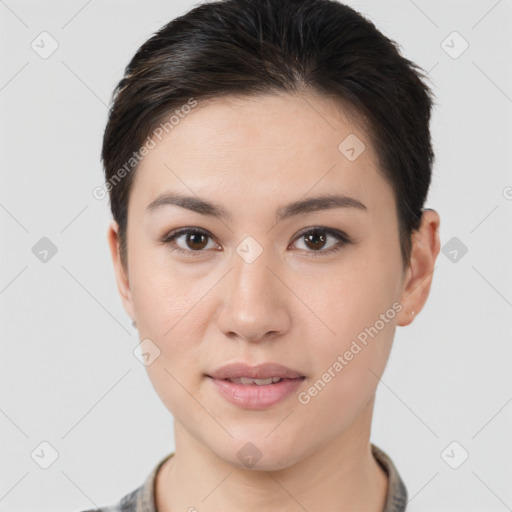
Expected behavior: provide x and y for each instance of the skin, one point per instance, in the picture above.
(204, 310)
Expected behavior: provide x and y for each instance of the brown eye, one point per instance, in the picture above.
(196, 241)
(315, 240)
(192, 241)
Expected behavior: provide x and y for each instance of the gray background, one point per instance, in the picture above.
(68, 373)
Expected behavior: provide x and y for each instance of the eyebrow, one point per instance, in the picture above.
(300, 207)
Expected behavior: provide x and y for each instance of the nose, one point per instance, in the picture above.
(255, 301)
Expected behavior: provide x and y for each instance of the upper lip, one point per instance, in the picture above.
(260, 371)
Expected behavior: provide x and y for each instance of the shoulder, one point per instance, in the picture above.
(128, 503)
(141, 499)
(396, 498)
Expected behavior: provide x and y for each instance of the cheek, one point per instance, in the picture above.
(172, 314)
(358, 309)
(163, 294)
(347, 372)
(173, 310)
(353, 298)
(174, 322)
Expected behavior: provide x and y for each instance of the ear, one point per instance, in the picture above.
(418, 279)
(121, 273)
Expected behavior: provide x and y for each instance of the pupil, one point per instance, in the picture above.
(193, 238)
(316, 237)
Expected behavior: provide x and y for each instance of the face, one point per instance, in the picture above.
(302, 289)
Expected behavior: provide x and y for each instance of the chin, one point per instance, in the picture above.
(260, 454)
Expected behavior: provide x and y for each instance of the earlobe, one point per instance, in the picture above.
(121, 273)
(425, 248)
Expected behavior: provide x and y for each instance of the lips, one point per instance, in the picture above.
(255, 387)
(258, 382)
(242, 373)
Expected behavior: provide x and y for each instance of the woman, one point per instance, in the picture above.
(267, 163)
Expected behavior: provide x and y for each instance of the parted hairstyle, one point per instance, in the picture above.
(255, 47)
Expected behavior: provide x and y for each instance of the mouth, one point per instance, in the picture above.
(247, 381)
(255, 387)
(256, 394)
(243, 373)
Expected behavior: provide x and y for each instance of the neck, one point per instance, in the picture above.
(342, 475)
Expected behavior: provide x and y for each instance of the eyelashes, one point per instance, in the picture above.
(341, 238)
(178, 233)
(198, 236)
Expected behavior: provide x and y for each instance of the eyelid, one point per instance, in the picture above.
(172, 235)
(342, 237)
(330, 231)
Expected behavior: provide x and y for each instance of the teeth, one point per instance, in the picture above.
(259, 382)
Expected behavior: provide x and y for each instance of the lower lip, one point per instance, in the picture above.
(252, 396)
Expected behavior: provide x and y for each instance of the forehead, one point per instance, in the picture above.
(285, 145)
